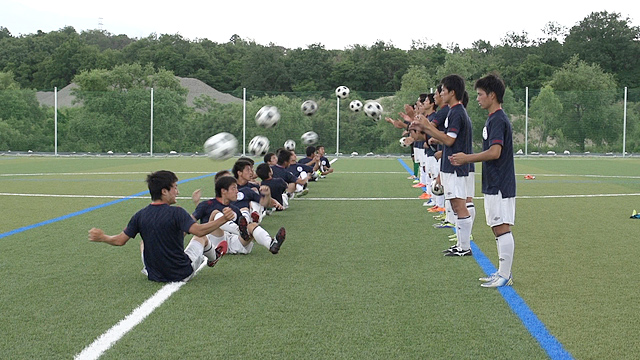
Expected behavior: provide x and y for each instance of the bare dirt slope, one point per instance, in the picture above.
(196, 88)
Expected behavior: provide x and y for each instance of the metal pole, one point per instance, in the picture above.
(337, 125)
(526, 121)
(244, 120)
(55, 121)
(151, 144)
(624, 126)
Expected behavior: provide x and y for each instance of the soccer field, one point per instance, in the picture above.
(360, 276)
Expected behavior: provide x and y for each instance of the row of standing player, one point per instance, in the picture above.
(444, 156)
(228, 223)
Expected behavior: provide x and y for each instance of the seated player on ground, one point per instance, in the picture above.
(313, 160)
(325, 164)
(280, 171)
(277, 186)
(252, 198)
(236, 232)
(162, 228)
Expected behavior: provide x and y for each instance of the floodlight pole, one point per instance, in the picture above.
(337, 125)
(526, 120)
(624, 126)
(55, 121)
(244, 120)
(151, 126)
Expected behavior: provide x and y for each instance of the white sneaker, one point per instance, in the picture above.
(498, 281)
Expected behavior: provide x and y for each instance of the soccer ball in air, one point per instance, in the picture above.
(403, 143)
(259, 145)
(268, 116)
(355, 105)
(309, 138)
(220, 146)
(290, 145)
(309, 107)
(373, 110)
(342, 92)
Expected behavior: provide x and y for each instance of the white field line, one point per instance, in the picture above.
(332, 161)
(106, 340)
(146, 197)
(102, 173)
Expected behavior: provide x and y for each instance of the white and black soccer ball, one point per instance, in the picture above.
(309, 107)
(290, 145)
(268, 116)
(309, 138)
(259, 145)
(342, 92)
(373, 109)
(437, 189)
(220, 146)
(403, 142)
(355, 105)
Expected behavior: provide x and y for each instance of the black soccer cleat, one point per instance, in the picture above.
(275, 244)
(242, 227)
(459, 252)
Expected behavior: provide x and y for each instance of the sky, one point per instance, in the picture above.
(293, 24)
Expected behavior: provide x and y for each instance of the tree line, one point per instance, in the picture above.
(575, 75)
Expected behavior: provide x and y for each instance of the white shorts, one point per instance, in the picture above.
(499, 210)
(471, 184)
(433, 168)
(455, 187)
(194, 251)
(233, 241)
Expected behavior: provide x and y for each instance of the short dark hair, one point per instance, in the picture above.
(268, 156)
(319, 146)
(432, 100)
(310, 150)
(222, 173)
(454, 83)
(263, 171)
(422, 97)
(239, 166)
(247, 159)
(492, 83)
(162, 179)
(224, 182)
(283, 156)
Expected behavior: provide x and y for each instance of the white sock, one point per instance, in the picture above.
(449, 212)
(440, 201)
(262, 236)
(472, 211)
(210, 252)
(506, 246)
(464, 226)
(229, 226)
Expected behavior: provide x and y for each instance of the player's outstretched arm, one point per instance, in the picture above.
(97, 235)
(206, 228)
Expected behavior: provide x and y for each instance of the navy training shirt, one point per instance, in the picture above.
(499, 174)
(457, 122)
(205, 208)
(284, 174)
(246, 194)
(162, 228)
(278, 187)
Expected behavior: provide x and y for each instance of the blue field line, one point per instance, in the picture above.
(410, 171)
(536, 328)
(84, 211)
